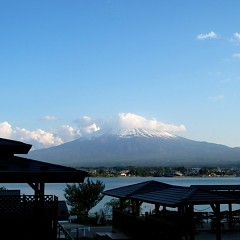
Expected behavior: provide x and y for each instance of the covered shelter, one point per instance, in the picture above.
(181, 222)
(33, 216)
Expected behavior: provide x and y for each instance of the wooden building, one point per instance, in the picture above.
(30, 216)
(174, 216)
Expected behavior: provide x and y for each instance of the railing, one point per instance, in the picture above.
(67, 230)
(128, 223)
(149, 227)
(63, 231)
(30, 217)
(27, 206)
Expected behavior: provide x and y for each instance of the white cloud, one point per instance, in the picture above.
(84, 121)
(39, 138)
(5, 130)
(130, 120)
(80, 127)
(236, 55)
(92, 128)
(86, 125)
(68, 133)
(205, 36)
(236, 38)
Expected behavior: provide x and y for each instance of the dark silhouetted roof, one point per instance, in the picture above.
(144, 187)
(14, 169)
(8, 146)
(170, 195)
(201, 197)
(218, 187)
(24, 170)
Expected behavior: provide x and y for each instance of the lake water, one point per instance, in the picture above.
(57, 189)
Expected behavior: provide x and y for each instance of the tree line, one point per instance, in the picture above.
(163, 171)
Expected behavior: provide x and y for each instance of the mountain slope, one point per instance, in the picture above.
(137, 147)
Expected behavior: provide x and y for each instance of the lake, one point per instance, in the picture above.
(57, 189)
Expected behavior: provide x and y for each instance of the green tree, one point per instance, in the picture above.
(82, 197)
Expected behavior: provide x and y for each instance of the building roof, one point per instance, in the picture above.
(14, 169)
(8, 146)
(138, 188)
(216, 187)
(171, 195)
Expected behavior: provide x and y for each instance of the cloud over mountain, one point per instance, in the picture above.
(82, 126)
(137, 147)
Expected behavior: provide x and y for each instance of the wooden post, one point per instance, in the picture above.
(230, 217)
(191, 222)
(216, 209)
(157, 205)
(121, 204)
(218, 223)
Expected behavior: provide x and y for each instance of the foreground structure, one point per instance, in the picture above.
(30, 216)
(174, 216)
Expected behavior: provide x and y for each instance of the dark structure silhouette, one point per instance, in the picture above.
(174, 216)
(31, 216)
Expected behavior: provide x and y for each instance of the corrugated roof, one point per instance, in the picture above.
(171, 195)
(143, 187)
(218, 187)
(201, 197)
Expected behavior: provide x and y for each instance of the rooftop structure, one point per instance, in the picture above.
(181, 220)
(31, 216)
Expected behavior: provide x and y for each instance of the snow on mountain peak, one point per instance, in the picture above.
(140, 132)
(132, 132)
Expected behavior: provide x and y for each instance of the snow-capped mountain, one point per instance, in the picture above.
(137, 147)
(131, 132)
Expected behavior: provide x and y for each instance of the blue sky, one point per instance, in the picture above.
(70, 67)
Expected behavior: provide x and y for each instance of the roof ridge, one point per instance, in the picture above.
(190, 194)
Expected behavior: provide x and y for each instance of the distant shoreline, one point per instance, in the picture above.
(228, 176)
(178, 172)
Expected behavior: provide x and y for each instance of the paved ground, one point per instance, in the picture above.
(205, 233)
(212, 236)
(202, 233)
(78, 230)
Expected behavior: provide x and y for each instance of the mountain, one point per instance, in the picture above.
(137, 147)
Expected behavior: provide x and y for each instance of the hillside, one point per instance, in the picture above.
(137, 147)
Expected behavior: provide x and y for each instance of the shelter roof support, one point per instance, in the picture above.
(190, 215)
(216, 209)
(38, 190)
